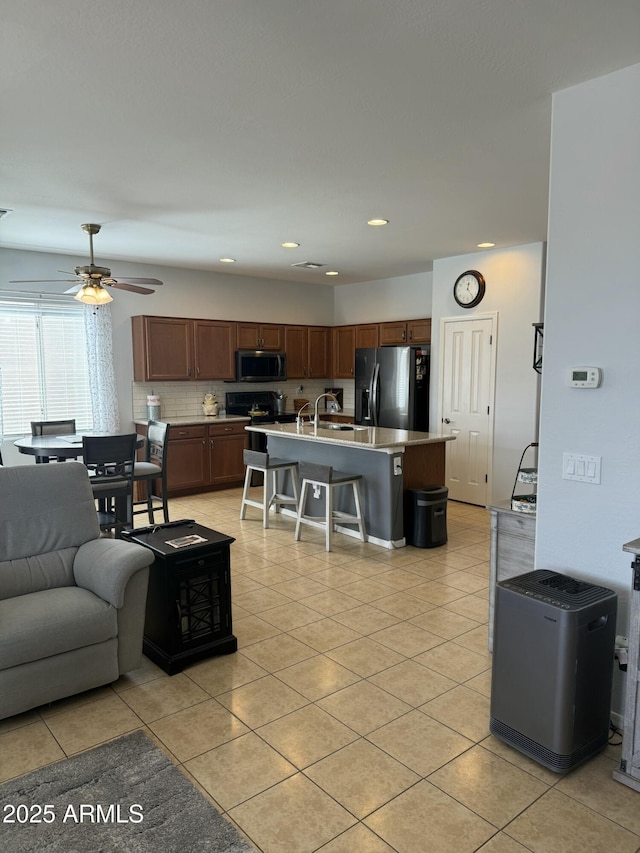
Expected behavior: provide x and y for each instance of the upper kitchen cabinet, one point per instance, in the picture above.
(169, 349)
(367, 335)
(308, 351)
(214, 349)
(400, 332)
(346, 339)
(260, 336)
(344, 349)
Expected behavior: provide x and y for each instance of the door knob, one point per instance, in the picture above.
(446, 421)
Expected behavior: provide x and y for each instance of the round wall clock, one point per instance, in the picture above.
(469, 288)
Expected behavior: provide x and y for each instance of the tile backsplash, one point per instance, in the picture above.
(182, 399)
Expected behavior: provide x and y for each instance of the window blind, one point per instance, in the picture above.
(43, 365)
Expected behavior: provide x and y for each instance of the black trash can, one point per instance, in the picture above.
(425, 516)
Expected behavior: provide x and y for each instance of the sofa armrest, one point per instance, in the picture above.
(104, 566)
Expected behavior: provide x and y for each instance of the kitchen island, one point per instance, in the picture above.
(389, 460)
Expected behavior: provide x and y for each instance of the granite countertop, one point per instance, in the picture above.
(196, 420)
(366, 438)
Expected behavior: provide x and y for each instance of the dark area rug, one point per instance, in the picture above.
(122, 796)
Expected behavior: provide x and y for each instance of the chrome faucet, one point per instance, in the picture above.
(299, 416)
(316, 415)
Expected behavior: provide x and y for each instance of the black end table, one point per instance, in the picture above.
(188, 614)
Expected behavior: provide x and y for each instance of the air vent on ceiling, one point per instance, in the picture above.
(4, 211)
(309, 265)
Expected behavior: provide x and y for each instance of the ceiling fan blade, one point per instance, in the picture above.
(154, 281)
(74, 289)
(41, 280)
(134, 288)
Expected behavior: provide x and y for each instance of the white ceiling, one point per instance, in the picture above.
(200, 129)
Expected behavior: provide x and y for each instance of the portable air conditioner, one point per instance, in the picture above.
(552, 667)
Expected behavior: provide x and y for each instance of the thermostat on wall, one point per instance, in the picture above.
(584, 377)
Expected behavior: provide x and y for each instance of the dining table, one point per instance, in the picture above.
(62, 447)
(44, 447)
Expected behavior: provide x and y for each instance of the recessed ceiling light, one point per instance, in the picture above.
(227, 260)
(332, 272)
(290, 245)
(378, 222)
(486, 245)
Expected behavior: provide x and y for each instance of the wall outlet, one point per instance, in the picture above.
(397, 466)
(316, 492)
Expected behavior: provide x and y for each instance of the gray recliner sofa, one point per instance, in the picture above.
(72, 604)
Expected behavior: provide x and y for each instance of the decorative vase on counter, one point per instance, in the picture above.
(210, 405)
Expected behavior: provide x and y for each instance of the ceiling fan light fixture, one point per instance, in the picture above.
(93, 294)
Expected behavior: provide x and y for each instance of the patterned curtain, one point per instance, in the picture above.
(104, 399)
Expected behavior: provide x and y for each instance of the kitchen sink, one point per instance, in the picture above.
(341, 427)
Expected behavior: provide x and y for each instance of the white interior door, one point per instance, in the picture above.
(466, 405)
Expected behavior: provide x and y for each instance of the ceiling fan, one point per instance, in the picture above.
(89, 286)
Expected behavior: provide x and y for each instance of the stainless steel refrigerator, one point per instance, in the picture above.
(392, 387)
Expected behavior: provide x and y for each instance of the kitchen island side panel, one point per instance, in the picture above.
(381, 488)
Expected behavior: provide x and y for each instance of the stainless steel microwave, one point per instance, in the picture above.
(260, 366)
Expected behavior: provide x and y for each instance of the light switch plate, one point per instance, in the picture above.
(578, 466)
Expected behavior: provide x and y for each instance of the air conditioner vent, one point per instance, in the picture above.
(308, 265)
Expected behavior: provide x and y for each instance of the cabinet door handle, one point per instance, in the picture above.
(183, 432)
(228, 429)
(188, 371)
(211, 443)
(197, 371)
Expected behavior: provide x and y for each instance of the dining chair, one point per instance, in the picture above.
(151, 470)
(64, 427)
(109, 460)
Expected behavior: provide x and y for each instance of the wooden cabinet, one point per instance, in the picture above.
(259, 336)
(344, 348)
(308, 351)
(629, 771)
(396, 333)
(226, 445)
(187, 459)
(167, 349)
(367, 335)
(188, 609)
(345, 340)
(214, 349)
(513, 543)
(419, 331)
(202, 457)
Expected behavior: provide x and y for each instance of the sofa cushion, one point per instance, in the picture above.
(32, 574)
(52, 621)
(45, 508)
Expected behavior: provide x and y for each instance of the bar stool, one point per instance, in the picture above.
(255, 460)
(325, 477)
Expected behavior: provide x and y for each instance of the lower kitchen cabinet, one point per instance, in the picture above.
(226, 445)
(202, 457)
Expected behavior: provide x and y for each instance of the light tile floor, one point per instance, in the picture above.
(354, 716)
